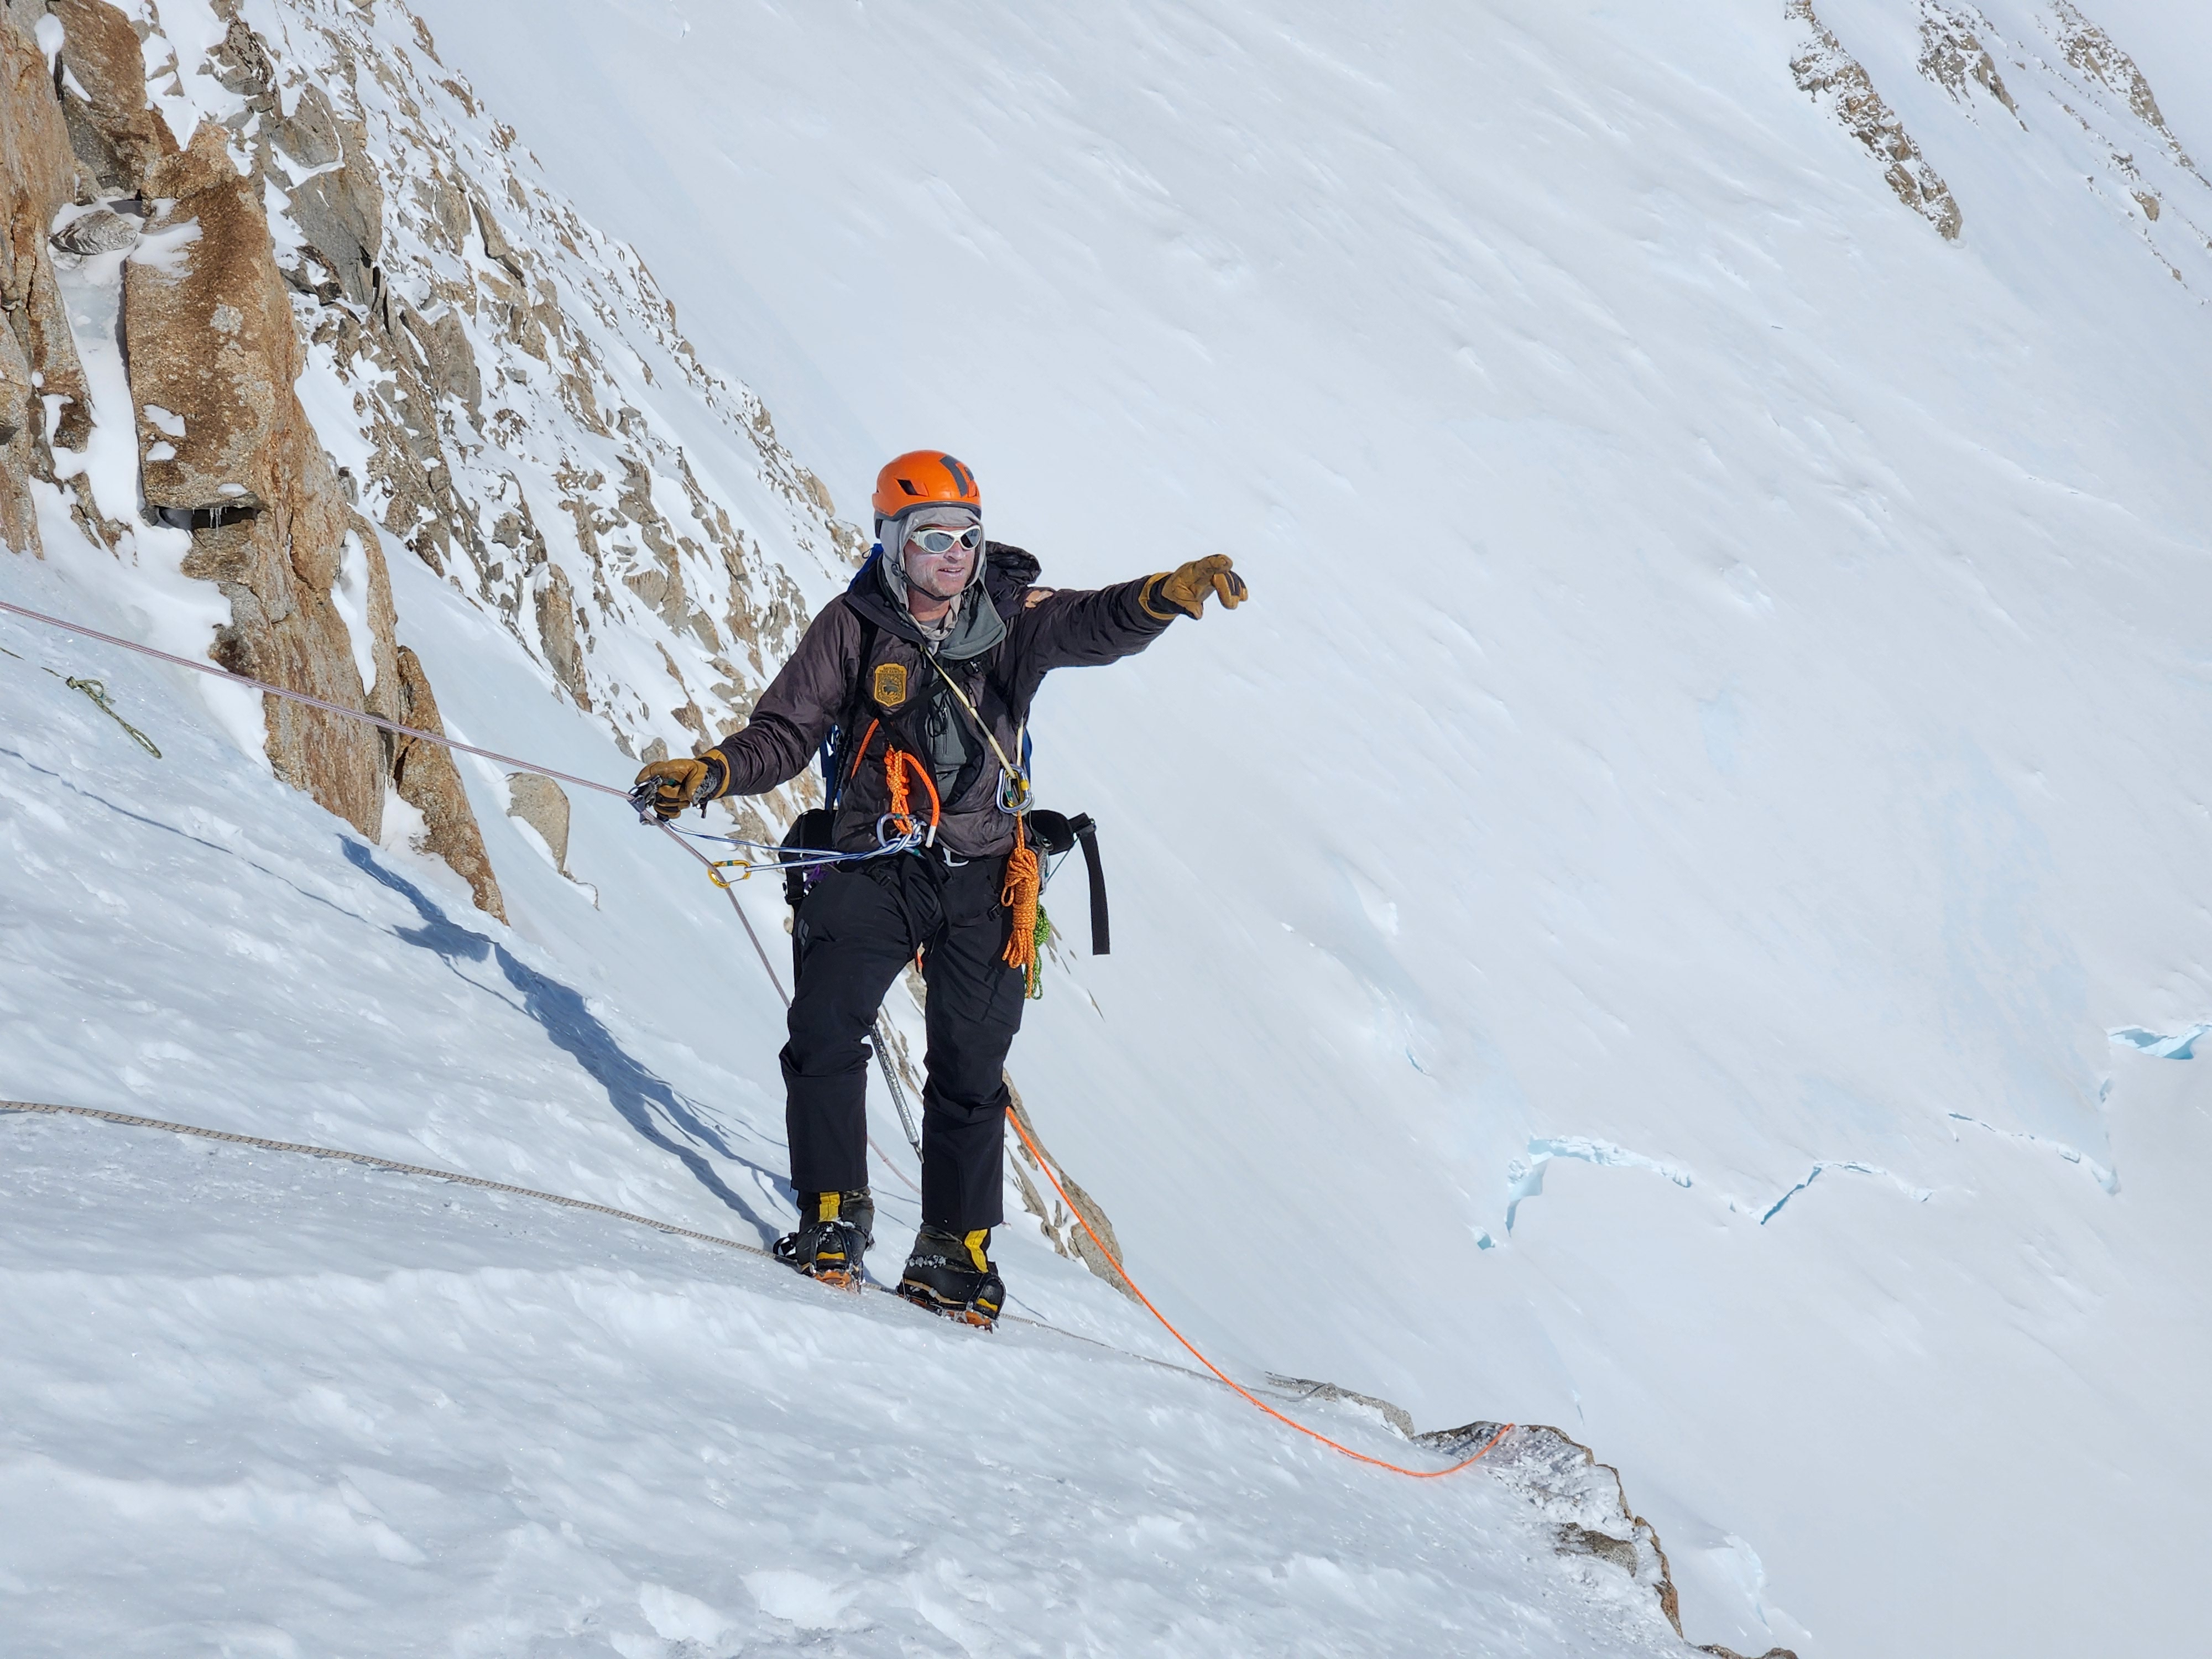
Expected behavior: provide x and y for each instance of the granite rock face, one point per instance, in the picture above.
(39, 177)
(213, 350)
(112, 128)
(430, 782)
(226, 451)
(18, 527)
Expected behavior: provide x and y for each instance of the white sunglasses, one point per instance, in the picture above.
(931, 539)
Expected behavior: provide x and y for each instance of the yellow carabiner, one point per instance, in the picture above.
(714, 872)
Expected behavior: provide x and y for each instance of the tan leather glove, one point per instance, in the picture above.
(666, 787)
(1184, 590)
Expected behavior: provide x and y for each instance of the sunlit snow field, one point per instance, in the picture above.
(1625, 931)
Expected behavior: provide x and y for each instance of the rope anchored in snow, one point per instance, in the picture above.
(263, 686)
(97, 690)
(373, 1163)
(216, 671)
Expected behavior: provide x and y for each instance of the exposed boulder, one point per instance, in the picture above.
(450, 359)
(1582, 1499)
(211, 342)
(495, 245)
(289, 634)
(557, 632)
(341, 214)
(240, 63)
(112, 128)
(544, 805)
(428, 781)
(309, 135)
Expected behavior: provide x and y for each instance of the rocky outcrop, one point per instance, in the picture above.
(544, 805)
(38, 177)
(214, 353)
(19, 525)
(1952, 56)
(2141, 166)
(503, 362)
(428, 781)
(213, 350)
(1068, 1236)
(226, 451)
(1581, 1499)
(2095, 53)
(1832, 75)
(112, 128)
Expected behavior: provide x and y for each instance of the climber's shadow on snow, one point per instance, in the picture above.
(642, 1098)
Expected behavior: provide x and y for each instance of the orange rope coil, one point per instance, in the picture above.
(1024, 883)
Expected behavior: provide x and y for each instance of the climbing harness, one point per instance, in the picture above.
(767, 967)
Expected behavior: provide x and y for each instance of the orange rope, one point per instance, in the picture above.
(897, 765)
(1025, 884)
(861, 753)
(1045, 1164)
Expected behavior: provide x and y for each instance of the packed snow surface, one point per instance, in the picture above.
(1670, 914)
(267, 1404)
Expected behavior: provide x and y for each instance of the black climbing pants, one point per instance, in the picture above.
(859, 927)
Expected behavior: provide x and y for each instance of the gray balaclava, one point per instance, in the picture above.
(973, 626)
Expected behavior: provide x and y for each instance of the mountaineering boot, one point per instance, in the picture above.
(949, 1274)
(835, 1230)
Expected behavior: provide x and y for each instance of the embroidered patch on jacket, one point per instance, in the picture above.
(889, 684)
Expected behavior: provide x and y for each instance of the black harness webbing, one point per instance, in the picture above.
(1087, 832)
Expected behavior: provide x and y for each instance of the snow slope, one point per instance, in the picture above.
(1709, 761)
(263, 1404)
(1722, 696)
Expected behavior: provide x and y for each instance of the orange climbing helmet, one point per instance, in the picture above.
(924, 477)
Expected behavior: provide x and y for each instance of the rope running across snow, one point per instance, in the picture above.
(767, 966)
(217, 672)
(221, 673)
(385, 1163)
(392, 1167)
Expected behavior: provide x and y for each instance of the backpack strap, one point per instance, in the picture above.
(838, 748)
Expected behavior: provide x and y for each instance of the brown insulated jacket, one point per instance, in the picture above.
(825, 680)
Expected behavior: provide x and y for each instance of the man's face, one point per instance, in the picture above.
(941, 575)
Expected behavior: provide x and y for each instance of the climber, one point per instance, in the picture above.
(925, 667)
